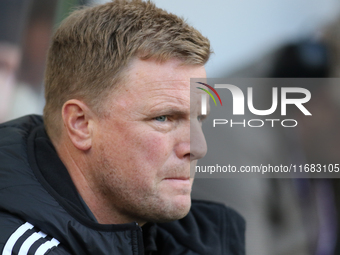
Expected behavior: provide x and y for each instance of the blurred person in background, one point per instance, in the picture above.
(13, 15)
(25, 30)
(332, 38)
(316, 141)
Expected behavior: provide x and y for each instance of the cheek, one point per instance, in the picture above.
(133, 147)
(137, 151)
(149, 157)
(154, 148)
(139, 164)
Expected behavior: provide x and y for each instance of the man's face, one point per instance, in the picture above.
(142, 147)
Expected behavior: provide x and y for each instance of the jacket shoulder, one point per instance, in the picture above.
(16, 235)
(18, 128)
(14, 167)
(14, 133)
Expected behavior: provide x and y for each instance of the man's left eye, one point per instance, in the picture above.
(161, 118)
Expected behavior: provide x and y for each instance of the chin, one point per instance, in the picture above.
(178, 208)
(161, 208)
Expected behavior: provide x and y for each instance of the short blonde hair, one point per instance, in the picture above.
(95, 44)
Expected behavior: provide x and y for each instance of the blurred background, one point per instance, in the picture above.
(252, 38)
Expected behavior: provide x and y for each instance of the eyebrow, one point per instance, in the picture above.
(173, 112)
(169, 109)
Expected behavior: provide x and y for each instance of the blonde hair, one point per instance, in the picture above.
(95, 44)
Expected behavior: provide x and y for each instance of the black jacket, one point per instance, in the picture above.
(42, 213)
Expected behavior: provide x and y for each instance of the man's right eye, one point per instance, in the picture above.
(161, 118)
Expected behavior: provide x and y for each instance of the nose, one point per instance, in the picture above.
(192, 145)
(198, 144)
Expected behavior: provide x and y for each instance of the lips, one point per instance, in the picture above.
(178, 181)
(180, 178)
(178, 185)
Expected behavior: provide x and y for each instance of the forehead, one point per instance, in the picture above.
(148, 79)
(173, 71)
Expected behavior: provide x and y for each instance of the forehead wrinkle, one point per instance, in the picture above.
(162, 80)
(170, 88)
(182, 107)
(167, 95)
(168, 101)
(144, 88)
(169, 76)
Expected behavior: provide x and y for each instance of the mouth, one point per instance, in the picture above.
(178, 182)
(178, 185)
(180, 178)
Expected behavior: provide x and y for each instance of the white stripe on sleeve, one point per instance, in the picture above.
(30, 241)
(14, 238)
(46, 246)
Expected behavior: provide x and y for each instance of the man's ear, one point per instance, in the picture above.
(77, 118)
